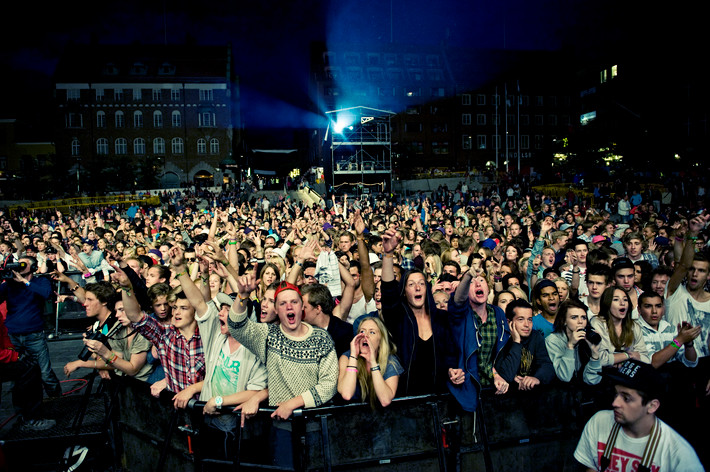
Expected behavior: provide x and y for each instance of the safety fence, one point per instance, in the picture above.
(526, 431)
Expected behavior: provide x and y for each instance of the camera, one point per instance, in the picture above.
(7, 272)
(95, 336)
(592, 336)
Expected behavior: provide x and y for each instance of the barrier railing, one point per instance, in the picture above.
(532, 430)
(66, 204)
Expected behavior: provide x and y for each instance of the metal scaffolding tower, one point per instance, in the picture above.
(361, 147)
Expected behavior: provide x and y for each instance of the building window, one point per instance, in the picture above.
(175, 95)
(157, 95)
(118, 95)
(157, 119)
(524, 141)
(538, 141)
(496, 141)
(481, 119)
(120, 119)
(73, 94)
(75, 147)
(139, 147)
(539, 101)
(603, 76)
(481, 141)
(159, 146)
(100, 119)
(466, 119)
(466, 99)
(99, 95)
(201, 146)
(176, 119)
(465, 142)
(495, 100)
(525, 100)
(539, 121)
(121, 146)
(495, 118)
(74, 120)
(207, 120)
(177, 146)
(137, 119)
(439, 127)
(511, 119)
(206, 95)
(614, 71)
(214, 146)
(102, 147)
(437, 91)
(525, 120)
(551, 101)
(552, 120)
(511, 141)
(412, 92)
(480, 99)
(137, 95)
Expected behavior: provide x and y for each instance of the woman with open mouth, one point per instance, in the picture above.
(370, 370)
(622, 338)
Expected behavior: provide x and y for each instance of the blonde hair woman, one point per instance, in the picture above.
(370, 371)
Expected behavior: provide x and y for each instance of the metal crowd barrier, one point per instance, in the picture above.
(528, 431)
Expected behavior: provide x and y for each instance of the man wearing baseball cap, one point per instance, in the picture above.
(630, 437)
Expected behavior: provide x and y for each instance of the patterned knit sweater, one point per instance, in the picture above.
(305, 366)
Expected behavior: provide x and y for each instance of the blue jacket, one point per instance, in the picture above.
(465, 331)
(25, 304)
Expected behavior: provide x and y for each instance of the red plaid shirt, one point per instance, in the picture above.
(183, 360)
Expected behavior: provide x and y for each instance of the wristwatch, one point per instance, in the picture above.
(218, 401)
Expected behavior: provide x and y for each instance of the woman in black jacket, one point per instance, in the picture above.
(419, 330)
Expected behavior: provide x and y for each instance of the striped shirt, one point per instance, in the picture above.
(183, 359)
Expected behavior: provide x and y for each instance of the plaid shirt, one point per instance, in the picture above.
(407, 264)
(656, 340)
(183, 360)
(488, 335)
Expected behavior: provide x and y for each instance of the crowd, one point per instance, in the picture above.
(270, 302)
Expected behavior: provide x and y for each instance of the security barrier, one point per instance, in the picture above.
(67, 204)
(528, 431)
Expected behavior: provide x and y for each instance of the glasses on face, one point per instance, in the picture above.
(190, 259)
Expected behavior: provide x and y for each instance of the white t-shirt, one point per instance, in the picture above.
(673, 453)
(681, 306)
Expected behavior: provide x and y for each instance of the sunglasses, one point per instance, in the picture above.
(191, 259)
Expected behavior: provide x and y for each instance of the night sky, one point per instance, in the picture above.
(271, 39)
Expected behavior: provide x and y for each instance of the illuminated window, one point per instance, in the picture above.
(614, 71)
(603, 76)
(465, 142)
